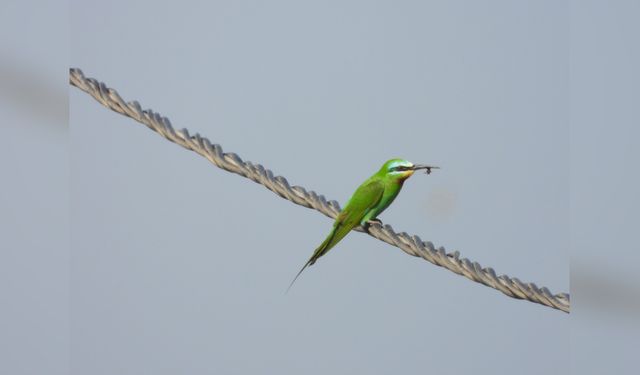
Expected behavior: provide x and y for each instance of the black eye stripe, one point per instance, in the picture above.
(400, 168)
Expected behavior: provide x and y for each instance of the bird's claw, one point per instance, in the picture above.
(377, 221)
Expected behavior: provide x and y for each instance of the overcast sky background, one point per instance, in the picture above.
(178, 267)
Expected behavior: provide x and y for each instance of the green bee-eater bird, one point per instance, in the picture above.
(368, 201)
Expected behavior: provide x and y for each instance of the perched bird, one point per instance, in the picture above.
(368, 201)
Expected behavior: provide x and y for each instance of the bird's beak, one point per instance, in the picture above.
(428, 168)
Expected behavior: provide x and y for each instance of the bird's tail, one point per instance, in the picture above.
(296, 278)
(325, 246)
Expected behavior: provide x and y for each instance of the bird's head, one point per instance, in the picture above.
(402, 169)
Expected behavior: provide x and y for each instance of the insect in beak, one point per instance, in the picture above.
(427, 168)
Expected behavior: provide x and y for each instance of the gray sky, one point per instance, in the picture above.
(121, 253)
(177, 267)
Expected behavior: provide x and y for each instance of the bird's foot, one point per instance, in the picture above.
(377, 221)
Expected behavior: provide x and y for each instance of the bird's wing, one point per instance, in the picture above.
(366, 197)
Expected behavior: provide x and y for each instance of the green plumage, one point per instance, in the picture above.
(367, 202)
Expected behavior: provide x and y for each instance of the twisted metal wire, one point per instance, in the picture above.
(229, 161)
